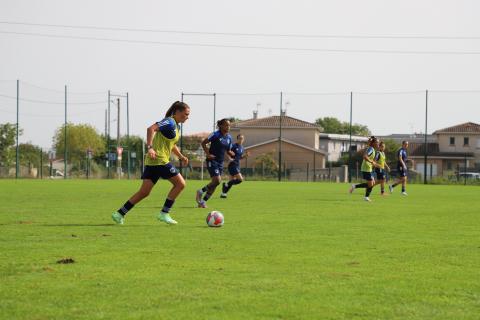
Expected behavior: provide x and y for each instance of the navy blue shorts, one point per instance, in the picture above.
(214, 168)
(402, 172)
(156, 172)
(233, 168)
(380, 174)
(367, 176)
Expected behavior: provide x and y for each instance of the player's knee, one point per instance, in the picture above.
(180, 185)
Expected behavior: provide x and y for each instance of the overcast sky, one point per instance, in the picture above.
(154, 73)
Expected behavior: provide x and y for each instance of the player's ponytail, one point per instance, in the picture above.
(176, 106)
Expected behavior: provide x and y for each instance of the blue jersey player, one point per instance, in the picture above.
(402, 159)
(234, 165)
(220, 142)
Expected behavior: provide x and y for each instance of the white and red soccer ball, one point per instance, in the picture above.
(215, 219)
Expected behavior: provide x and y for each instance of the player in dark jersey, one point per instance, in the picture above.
(234, 165)
(162, 137)
(220, 142)
(368, 164)
(402, 159)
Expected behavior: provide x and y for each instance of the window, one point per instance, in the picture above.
(449, 165)
(465, 141)
(452, 141)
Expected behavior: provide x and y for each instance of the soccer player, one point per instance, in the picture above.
(367, 167)
(380, 159)
(220, 142)
(162, 137)
(234, 165)
(402, 159)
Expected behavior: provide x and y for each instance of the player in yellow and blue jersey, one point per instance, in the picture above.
(380, 172)
(234, 165)
(220, 142)
(162, 137)
(368, 164)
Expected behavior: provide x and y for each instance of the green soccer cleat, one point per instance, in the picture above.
(118, 218)
(165, 217)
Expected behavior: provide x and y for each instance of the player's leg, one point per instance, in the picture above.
(145, 189)
(178, 184)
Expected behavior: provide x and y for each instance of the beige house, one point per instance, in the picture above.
(456, 147)
(300, 142)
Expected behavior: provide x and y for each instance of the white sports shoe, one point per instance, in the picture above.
(352, 188)
(367, 199)
(390, 188)
(404, 193)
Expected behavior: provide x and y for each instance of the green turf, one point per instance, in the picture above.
(287, 251)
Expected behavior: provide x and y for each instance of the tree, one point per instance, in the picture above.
(29, 154)
(266, 164)
(80, 138)
(8, 132)
(333, 125)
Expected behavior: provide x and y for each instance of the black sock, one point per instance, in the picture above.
(394, 185)
(126, 207)
(231, 183)
(403, 188)
(382, 190)
(204, 189)
(367, 193)
(361, 185)
(207, 196)
(167, 205)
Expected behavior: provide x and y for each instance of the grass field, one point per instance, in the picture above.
(287, 251)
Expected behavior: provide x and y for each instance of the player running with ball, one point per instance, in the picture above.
(162, 137)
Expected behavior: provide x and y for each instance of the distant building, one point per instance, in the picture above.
(300, 143)
(335, 145)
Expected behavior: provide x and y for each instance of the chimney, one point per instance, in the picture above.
(255, 114)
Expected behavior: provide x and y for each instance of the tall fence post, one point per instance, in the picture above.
(65, 140)
(280, 140)
(425, 154)
(17, 156)
(350, 142)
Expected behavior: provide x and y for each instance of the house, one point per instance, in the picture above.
(335, 145)
(455, 148)
(298, 147)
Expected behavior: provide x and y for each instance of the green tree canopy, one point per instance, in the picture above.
(80, 138)
(333, 125)
(8, 132)
(30, 154)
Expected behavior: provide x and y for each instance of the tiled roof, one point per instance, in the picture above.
(418, 150)
(468, 127)
(274, 122)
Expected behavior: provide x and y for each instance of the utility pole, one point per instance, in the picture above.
(280, 140)
(119, 152)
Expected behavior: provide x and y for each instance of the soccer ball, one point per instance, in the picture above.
(215, 219)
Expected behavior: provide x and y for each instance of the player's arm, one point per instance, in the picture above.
(386, 165)
(180, 156)
(365, 157)
(245, 154)
(230, 151)
(401, 160)
(204, 144)
(151, 131)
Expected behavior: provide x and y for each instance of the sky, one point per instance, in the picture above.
(388, 53)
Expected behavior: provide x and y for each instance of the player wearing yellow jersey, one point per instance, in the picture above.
(380, 172)
(367, 168)
(162, 137)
